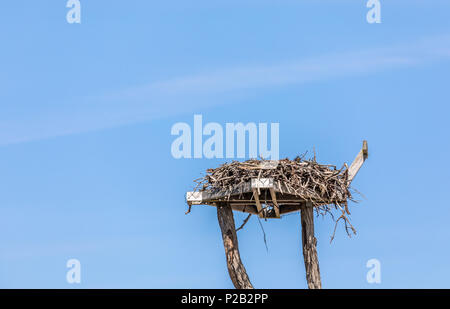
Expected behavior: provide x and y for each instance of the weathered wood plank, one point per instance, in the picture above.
(205, 197)
(258, 203)
(358, 162)
(275, 203)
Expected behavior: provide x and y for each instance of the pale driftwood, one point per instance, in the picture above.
(235, 267)
(358, 162)
(309, 247)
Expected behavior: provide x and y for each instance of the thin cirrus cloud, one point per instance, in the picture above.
(165, 98)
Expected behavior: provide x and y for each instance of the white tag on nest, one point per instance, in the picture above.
(262, 183)
(268, 165)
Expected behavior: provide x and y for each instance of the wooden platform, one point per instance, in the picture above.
(264, 197)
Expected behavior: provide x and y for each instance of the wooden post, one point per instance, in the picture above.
(309, 246)
(236, 269)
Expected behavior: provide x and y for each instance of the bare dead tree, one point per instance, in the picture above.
(236, 269)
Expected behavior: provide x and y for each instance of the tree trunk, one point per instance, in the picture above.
(236, 269)
(309, 247)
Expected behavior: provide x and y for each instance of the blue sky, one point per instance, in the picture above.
(86, 170)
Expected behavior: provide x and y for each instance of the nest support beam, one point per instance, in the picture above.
(236, 269)
(309, 247)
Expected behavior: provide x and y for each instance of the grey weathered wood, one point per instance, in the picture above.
(236, 269)
(198, 198)
(273, 195)
(258, 203)
(309, 247)
(208, 198)
(358, 162)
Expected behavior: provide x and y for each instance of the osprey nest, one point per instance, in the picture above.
(325, 186)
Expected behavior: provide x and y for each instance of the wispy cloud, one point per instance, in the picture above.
(159, 99)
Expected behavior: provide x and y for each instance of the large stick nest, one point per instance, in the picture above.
(306, 179)
(324, 185)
